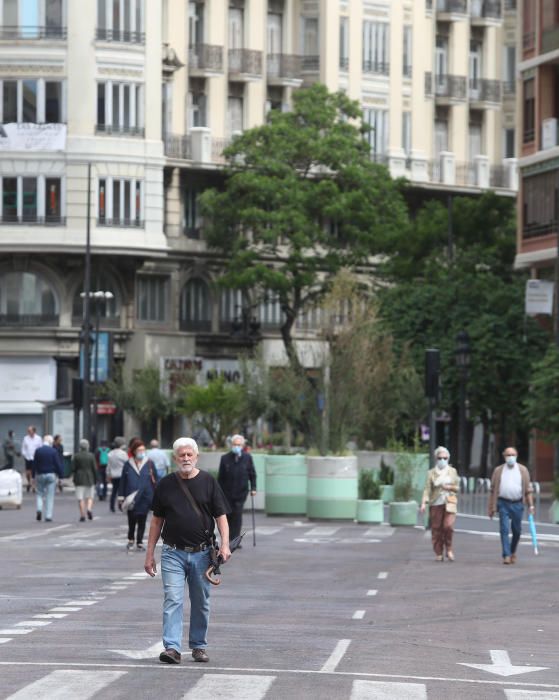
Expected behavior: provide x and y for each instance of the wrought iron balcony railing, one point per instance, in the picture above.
(310, 63)
(451, 86)
(453, 6)
(484, 90)
(376, 67)
(486, 9)
(29, 320)
(33, 32)
(281, 65)
(179, 147)
(120, 222)
(205, 57)
(245, 61)
(32, 220)
(120, 130)
(120, 35)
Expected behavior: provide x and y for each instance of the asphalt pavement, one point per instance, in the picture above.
(326, 610)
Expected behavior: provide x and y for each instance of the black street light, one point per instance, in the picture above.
(462, 355)
(245, 325)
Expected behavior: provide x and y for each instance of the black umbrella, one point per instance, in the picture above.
(213, 570)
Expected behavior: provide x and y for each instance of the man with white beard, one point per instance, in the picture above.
(186, 505)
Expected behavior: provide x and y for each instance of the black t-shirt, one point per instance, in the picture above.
(182, 525)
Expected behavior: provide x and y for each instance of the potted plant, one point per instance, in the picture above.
(403, 510)
(554, 509)
(386, 482)
(370, 508)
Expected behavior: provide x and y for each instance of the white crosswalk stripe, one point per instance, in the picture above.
(230, 687)
(376, 690)
(531, 695)
(61, 685)
(321, 531)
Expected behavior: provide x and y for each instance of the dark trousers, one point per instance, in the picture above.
(139, 520)
(102, 483)
(114, 492)
(442, 524)
(235, 518)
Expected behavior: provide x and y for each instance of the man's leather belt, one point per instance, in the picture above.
(510, 500)
(184, 548)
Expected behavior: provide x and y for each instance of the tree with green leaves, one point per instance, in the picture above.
(301, 200)
(542, 401)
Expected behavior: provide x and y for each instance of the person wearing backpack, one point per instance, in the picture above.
(102, 459)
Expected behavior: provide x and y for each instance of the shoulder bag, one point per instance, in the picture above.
(194, 505)
(130, 500)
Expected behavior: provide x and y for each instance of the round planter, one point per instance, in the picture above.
(402, 513)
(259, 460)
(387, 493)
(554, 512)
(332, 487)
(286, 485)
(370, 511)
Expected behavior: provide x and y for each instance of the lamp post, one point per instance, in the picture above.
(462, 355)
(245, 325)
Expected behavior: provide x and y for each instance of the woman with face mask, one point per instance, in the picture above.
(440, 492)
(139, 476)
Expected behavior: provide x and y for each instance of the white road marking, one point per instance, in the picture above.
(153, 651)
(501, 665)
(267, 530)
(29, 535)
(530, 695)
(379, 531)
(383, 574)
(14, 630)
(67, 684)
(3, 640)
(374, 690)
(358, 615)
(34, 623)
(47, 616)
(373, 591)
(336, 656)
(65, 609)
(230, 687)
(321, 531)
(525, 539)
(82, 602)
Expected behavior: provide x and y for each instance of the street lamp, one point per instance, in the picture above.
(462, 355)
(245, 325)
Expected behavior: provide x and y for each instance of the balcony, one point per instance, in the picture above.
(452, 7)
(486, 11)
(510, 5)
(124, 36)
(550, 39)
(376, 68)
(485, 91)
(205, 59)
(32, 320)
(447, 88)
(178, 147)
(284, 69)
(32, 220)
(536, 230)
(509, 88)
(310, 63)
(108, 130)
(244, 64)
(32, 33)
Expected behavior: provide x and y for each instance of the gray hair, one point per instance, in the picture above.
(441, 448)
(84, 444)
(154, 443)
(185, 442)
(238, 437)
(48, 440)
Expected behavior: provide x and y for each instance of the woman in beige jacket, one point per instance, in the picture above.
(440, 492)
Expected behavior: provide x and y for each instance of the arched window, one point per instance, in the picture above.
(230, 308)
(195, 307)
(27, 299)
(109, 309)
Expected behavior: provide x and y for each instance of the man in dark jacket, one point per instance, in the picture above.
(47, 465)
(236, 469)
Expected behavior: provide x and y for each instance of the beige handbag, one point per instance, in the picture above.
(451, 505)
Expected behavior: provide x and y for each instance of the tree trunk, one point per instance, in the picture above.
(484, 446)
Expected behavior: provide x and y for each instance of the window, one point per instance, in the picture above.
(152, 298)
(192, 221)
(441, 133)
(529, 111)
(120, 108)
(475, 68)
(109, 309)
(36, 200)
(32, 102)
(406, 133)
(375, 47)
(407, 67)
(529, 25)
(441, 60)
(509, 69)
(235, 108)
(195, 306)
(197, 103)
(377, 119)
(33, 19)
(236, 21)
(310, 43)
(230, 307)
(195, 23)
(509, 145)
(25, 298)
(344, 43)
(270, 313)
(274, 35)
(539, 196)
(120, 20)
(119, 202)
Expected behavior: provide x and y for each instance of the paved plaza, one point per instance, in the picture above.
(326, 610)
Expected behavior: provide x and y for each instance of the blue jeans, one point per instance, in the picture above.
(510, 517)
(176, 568)
(46, 484)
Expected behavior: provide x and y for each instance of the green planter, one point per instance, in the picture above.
(286, 485)
(370, 511)
(387, 492)
(554, 512)
(259, 460)
(402, 513)
(332, 487)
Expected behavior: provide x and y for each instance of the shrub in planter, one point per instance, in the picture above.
(403, 510)
(554, 509)
(370, 508)
(386, 481)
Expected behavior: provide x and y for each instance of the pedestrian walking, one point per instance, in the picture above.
(186, 506)
(140, 477)
(116, 460)
(440, 493)
(159, 458)
(102, 459)
(10, 450)
(59, 447)
(46, 467)
(510, 490)
(236, 470)
(31, 442)
(84, 472)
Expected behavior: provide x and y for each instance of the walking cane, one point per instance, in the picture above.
(253, 525)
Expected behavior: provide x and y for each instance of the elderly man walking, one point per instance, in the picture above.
(510, 489)
(236, 470)
(47, 465)
(185, 506)
(31, 443)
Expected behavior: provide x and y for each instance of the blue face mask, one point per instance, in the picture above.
(140, 456)
(237, 450)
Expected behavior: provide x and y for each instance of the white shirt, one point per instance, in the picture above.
(29, 445)
(511, 483)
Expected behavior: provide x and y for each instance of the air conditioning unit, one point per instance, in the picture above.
(549, 133)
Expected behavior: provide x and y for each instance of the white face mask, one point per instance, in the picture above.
(442, 462)
(511, 460)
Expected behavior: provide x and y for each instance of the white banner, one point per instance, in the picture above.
(32, 137)
(175, 370)
(27, 379)
(539, 297)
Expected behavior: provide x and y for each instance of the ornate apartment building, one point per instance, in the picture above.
(145, 96)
